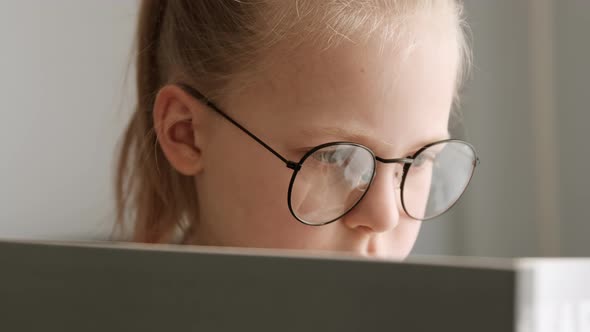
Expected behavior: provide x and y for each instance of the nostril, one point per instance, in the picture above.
(364, 229)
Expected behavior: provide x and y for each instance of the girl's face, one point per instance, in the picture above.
(392, 99)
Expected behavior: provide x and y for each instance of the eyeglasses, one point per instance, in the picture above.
(332, 178)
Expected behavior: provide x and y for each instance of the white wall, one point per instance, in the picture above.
(526, 110)
(572, 93)
(496, 215)
(62, 104)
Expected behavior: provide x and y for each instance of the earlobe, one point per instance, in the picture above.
(177, 118)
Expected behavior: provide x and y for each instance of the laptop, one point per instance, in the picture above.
(53, 286)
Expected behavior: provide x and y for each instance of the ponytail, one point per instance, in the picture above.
(146, 183)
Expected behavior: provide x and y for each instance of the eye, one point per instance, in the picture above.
(331, 156)
(367, 175)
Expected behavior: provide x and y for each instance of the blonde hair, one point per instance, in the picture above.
(207, 43)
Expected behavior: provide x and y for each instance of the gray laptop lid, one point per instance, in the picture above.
(58, 287)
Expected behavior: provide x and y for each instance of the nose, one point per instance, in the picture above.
(379, 210)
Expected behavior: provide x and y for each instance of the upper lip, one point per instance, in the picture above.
(364, 242)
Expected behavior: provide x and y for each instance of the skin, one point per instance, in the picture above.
(382, 96)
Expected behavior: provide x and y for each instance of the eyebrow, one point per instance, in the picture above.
(357, 135)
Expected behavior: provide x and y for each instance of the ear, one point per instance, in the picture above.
(178, 120)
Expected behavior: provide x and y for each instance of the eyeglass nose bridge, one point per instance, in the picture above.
(404, 162)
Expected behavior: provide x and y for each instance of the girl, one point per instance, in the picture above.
(298, 124)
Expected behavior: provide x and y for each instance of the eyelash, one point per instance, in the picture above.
(302, 151)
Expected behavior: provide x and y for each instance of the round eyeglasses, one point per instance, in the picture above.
(332, 178)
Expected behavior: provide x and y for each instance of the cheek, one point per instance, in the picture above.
(264, 194)
(244, 198)
(403, 240)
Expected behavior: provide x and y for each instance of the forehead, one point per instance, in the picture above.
(390, 90)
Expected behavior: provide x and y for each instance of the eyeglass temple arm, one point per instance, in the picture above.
(196, 94)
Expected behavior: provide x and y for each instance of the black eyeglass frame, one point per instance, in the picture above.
(296, 166)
